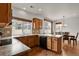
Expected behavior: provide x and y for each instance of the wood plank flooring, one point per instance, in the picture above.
(41, 52)
(67, 50)
(70, 50)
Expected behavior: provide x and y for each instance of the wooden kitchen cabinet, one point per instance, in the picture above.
(36, 40)
(31, 40)
(54, 44)
(24, 40)
(49, 43)
(5, 12)
(37, 23)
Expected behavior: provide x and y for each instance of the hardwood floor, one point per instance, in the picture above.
(41, 52)
(68, 50)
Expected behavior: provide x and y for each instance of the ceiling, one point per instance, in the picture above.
(50, 10)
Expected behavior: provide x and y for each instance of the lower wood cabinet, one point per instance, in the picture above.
(31, 41)
(54, 44)
(49, 46)
(47, 42)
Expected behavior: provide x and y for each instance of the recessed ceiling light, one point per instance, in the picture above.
(24, 8)
(31, 6)
(39, 9)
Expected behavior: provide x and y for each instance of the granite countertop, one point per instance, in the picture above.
(41, 35)
(50, 35)
(24, 35)
(14, 48)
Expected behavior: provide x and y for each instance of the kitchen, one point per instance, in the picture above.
(31, 28)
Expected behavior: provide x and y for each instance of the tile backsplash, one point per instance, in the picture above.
(7, 32)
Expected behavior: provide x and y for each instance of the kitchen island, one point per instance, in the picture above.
(13, 49)
(46, 41)
(51, 42)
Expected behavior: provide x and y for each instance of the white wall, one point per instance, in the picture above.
(72, 25)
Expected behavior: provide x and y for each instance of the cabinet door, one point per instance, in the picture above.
(31, 42)
(24, 40)
(40, 23)
(35, 41)
(37, 23)
(54, 44)
(49, 42)
(21, 39)
(5, 12)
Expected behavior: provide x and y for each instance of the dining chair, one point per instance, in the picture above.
(74, 39)
(66, 37)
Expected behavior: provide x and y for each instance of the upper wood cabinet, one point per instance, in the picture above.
(5, 12)
(37, 23)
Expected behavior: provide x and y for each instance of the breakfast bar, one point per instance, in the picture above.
(46, 41)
